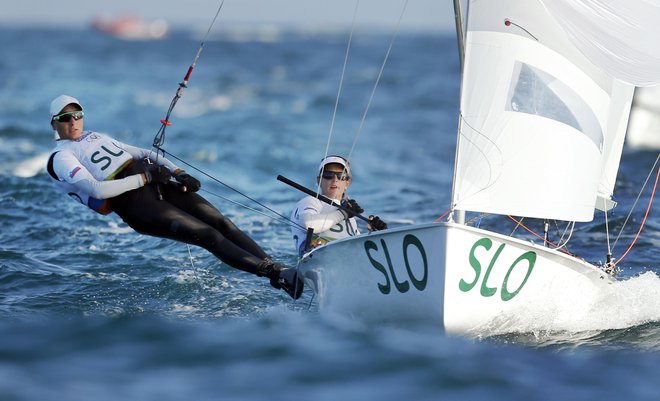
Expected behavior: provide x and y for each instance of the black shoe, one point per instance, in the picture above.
(281, 278)
(290, 282)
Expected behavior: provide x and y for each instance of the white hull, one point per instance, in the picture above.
(459, 277)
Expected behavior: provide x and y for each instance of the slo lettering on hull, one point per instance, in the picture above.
(485, 290)
(376, 252)
(409, 245)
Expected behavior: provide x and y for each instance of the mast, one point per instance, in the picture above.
(459, 216)
(458, 16)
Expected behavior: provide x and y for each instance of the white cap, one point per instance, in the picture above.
(58, 104)
(61, 102)
(338, 160)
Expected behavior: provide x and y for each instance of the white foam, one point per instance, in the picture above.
(626, 303)
(32, 166)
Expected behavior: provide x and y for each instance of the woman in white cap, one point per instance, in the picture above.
(110, 176)
(329, 222)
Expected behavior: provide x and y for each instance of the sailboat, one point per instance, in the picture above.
(543, 115)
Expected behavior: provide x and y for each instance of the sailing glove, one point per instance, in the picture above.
(191, 183)
(352, 208)
(158, 175)
(376, 224)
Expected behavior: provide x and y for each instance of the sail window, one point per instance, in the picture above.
(534, 91)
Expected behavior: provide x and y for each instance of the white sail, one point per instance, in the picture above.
(619, 36)
(537, 128)
(616, 127)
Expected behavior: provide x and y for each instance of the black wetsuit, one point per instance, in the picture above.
(166, 211)
(103, 174)
(185, 217)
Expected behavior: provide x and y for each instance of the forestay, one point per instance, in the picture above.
(542, 127)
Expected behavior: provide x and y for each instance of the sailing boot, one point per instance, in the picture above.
(281, 277)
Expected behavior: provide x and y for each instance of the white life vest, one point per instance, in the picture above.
(100, 155)
(309, 204)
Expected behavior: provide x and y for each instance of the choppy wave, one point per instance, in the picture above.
(90, 309)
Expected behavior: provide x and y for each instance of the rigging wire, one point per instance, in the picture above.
(159, 139)
(648, 209)
(341, 84)
(559, 245)
(380, 74)
(279, 217)
(231, 188)
(339, 90)
(341, 81)
(648, 177)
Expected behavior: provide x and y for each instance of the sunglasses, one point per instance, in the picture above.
(341, 175)
(66, 117)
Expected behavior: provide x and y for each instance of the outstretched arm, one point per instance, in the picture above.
(189, 183)
(68, 169)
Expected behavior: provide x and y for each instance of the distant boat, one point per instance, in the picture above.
(129, 27)
(644, 124)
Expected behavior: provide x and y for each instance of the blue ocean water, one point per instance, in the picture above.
(91, 310)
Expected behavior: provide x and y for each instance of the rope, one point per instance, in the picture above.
(441, 217)
(516, 227)
(641, 226)
(198, 279)
(280, 218)
(572, 225)
(648, 177)
(639, 231)
(229, 187)
(192, 263)
(540, 237)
